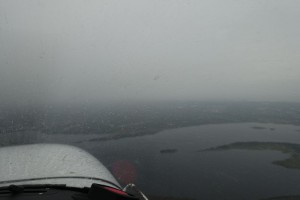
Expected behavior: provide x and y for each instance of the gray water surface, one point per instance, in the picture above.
(173, 163)
(221, 161)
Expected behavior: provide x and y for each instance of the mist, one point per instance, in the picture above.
(102, 51)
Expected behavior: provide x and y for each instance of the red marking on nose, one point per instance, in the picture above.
(114, 190)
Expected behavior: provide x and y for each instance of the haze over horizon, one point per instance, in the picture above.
(96, 51)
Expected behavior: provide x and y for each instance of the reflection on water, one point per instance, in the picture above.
(292, 149)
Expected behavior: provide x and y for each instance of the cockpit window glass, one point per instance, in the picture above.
(191, 99)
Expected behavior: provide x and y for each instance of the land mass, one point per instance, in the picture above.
(293, 162)
(165, 151)
(115, 121)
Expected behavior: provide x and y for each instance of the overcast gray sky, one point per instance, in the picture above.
(92, 50)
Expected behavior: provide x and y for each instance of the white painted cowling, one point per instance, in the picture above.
(51, 164)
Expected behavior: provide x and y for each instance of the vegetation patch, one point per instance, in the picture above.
(293, 150)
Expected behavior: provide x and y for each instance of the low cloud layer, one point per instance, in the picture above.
(66, 51)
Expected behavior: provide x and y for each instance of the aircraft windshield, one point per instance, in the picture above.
(192, 99)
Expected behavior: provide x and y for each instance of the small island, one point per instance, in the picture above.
(165, 151)
(259, 127)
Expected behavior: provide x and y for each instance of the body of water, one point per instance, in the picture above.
(219, 161)
(182, 163)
